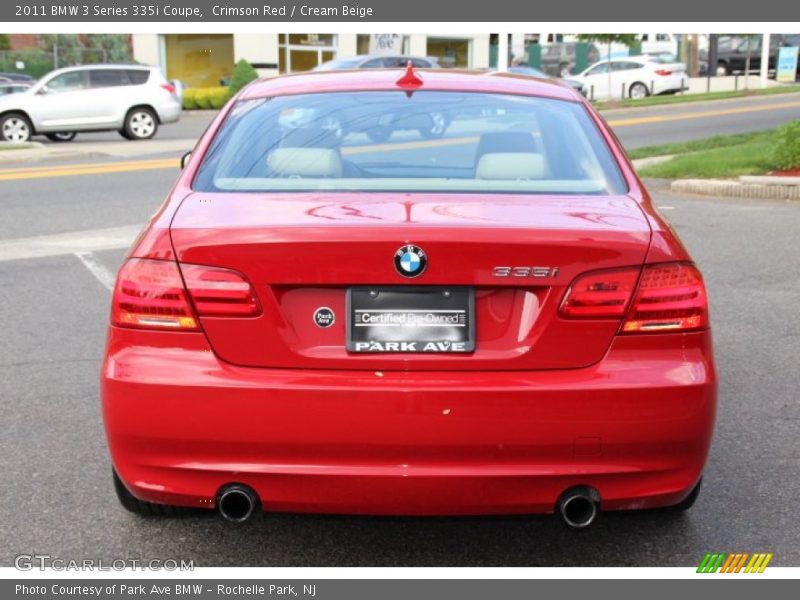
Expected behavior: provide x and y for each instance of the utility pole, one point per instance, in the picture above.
(764, 73)
(502, 52)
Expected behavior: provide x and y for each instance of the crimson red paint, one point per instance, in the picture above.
(593, 362)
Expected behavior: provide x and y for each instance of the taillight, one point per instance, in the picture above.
(670, 297)
(169, 87)
(149, 294)
(217, 292)
(663, 72)
(600, 294)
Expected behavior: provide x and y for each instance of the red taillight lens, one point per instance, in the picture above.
(217, 292)
(169, 87)
(670, 297)
(663, 72)
(149, 294)
(600, 294)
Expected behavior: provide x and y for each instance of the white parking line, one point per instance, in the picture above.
(103, 275)
(91, 240)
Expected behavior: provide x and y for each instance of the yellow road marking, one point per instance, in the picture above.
(410, 145)
(87, 169)
(700, 114)
(173, 163)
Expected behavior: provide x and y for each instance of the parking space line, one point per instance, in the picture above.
(71, 242)
(103, 275)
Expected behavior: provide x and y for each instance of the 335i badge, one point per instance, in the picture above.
(402, 292)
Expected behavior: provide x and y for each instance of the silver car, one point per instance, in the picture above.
(131, 99)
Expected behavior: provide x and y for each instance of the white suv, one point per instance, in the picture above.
(131, 99)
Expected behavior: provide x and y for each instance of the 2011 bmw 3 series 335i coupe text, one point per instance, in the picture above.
(410, 293)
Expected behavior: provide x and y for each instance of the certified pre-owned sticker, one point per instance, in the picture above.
(324, 317)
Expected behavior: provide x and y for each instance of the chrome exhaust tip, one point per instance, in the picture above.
(236, 502)
(578, 506)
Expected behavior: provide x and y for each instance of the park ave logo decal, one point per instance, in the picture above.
(410, 261)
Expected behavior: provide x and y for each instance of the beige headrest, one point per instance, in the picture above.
(511, 165)
(305, 162)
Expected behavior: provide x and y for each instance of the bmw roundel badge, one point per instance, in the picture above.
(410, 261)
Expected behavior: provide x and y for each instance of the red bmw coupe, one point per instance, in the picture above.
(412, 293)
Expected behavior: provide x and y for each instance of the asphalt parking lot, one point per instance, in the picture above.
(62, 237)
(57, 497)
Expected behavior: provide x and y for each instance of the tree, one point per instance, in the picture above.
(628, 39)
(243, 74)
(5, 41)
(109, 47)
(66, 48)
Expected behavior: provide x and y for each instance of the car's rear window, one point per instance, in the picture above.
(138, 76)
(424, 141)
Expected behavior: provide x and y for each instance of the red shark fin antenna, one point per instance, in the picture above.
(410, 81)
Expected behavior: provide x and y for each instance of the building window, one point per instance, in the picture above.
(304, 51)
(450, 52)
(204, 60)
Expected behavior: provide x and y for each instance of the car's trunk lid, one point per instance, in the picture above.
(302, 251)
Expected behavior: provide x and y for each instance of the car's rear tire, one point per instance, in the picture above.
(141, 123)
(638, 91)
(61, 136)
(146, 509)
(379, 134)
(15, 128)
(722, 69)
(438, 126)
(687, 502)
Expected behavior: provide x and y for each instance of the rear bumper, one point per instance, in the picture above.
(169, 112)
(636, 426)
(673, 84)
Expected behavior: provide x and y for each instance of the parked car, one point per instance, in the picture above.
(131, 99)
(732, 58)
(369, 61)
(633, 77)
(559, 59)
(12, 87)
(17, 78)
(658, 43)
(532, 72)
(503, 323)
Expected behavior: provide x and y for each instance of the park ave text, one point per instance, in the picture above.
(169, 589)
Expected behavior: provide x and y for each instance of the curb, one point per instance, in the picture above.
(641, 163)
(773, 190)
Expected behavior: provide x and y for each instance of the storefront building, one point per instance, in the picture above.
(207, 60)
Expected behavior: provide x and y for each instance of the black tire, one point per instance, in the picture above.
(439, 125)
(61, 136)
(123, 133)
(687, 502)
(379, 134)
(722, 69)
(638, 90)
(15, 128)
(146, 509)
(141, 123)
